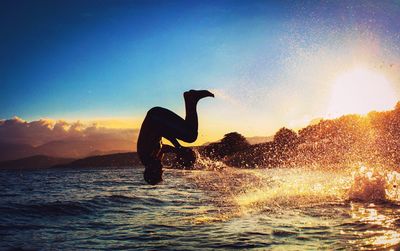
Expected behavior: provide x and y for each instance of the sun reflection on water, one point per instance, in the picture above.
(381, 234)
(359, 204)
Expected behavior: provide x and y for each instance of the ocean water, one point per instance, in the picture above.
(275, 209)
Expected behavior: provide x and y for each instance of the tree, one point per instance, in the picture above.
(285, 138)
(233, 142)
(397, 107)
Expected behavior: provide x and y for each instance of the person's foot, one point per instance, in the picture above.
(196, 95)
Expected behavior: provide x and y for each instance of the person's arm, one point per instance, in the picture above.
(167, 149)
(177, 148)
(175, 143)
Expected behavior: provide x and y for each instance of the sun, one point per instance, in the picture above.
(360, 91)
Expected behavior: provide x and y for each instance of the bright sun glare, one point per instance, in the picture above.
(360, 91)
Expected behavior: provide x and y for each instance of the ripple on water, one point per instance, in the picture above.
(265, 209)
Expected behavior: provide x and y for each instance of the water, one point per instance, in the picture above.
(279, 209)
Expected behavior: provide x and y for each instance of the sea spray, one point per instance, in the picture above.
(205, 163)
(294, 187)
(375, 185)
(250, 191)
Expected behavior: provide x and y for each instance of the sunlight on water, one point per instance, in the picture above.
(376, 185)
(285, 191)
(374, 216)
(294, 187)
(388, 238)
(284, 209)
(297, 187)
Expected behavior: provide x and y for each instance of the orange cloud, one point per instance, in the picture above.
(67, 139)
(75, 139)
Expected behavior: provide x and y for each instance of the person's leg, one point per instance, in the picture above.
(171, 126)
(192, 97)
(167, 124)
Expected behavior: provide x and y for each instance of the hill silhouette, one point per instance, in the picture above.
(33, 162)
(70, 149)
(11, 151)
(373, 139)
(110, 160)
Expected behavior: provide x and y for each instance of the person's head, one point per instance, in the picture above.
(153, 173)
(186, 158)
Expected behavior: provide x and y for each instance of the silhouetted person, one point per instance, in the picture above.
(163, 123)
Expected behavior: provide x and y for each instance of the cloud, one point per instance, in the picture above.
(60, 137)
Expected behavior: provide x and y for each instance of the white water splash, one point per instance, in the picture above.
(205, 163)
(373, 184)
(265, 189)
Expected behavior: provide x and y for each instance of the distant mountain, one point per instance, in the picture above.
(259, 139)
(98, 152)
(10, 151)
(33, 162)
(43, 161)
(70, 149)
(110, 160)
(77, 148)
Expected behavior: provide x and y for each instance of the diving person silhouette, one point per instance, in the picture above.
(162, 123)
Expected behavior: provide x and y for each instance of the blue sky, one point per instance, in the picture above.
(269, 62)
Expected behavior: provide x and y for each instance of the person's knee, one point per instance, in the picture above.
(191, 137)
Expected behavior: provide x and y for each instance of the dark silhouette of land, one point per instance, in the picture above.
(110, 160)
(33, 162)
(43, 162)
(372, 140)
(10, 151)
(72, 149)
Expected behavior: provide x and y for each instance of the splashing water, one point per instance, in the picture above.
(294, 187)
(309, 198)
(356, 206)
(370, 185)
(250, 191)
(205, 163)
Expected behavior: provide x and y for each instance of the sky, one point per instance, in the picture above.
(270, 63)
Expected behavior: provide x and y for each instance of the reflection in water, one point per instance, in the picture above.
(313, 199)
(383, 232)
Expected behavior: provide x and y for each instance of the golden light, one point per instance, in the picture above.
(360, 91)
(114, 123)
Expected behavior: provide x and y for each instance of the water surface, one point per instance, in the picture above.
(251, 209)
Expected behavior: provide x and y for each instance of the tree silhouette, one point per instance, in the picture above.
(397, 107)
(285, 138)
(231, 143)
(372, 140)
